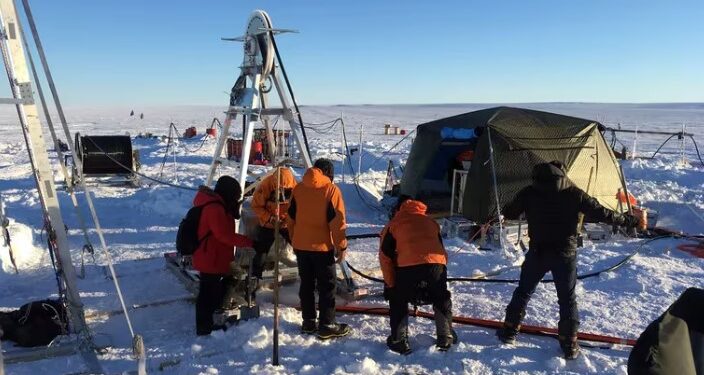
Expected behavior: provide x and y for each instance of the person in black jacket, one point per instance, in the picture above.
(552, 207)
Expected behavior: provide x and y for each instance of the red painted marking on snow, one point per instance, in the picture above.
(485, 323)
(696, 249)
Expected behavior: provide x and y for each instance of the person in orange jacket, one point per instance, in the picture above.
(413, 261)
(316, 225)
(216, 231)
(264, 206)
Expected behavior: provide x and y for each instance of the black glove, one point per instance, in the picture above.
(388, 292)
(630, 221)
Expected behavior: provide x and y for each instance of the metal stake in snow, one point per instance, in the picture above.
(359, 161)
(5, 223)
(277, 226)
(635, 144)
(173, 152)
(683, 161)
(342, 147)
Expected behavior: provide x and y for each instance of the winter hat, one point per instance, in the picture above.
(549, 171)
(326, 167)
(550, 177)
(229, 189)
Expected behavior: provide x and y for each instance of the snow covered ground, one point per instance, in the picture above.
(140, 224)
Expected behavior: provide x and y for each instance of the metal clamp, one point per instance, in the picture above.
(26, 93)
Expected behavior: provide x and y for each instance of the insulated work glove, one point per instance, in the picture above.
(340, 255)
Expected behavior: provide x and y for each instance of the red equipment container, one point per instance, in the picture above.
(234, 150)
(190, 132)
(212, 132)
(257, 146)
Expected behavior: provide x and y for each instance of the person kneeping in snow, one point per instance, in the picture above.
(316, 225)
(552, 207)
(215, 253)
(413, 261)
(264, 204)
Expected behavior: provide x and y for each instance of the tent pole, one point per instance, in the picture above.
(496, 188)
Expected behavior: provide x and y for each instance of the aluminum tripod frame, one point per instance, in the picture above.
(249, 98)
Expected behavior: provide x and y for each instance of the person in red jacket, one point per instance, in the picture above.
(413, 261)
(215, 252)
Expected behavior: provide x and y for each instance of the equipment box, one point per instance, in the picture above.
(458, 227)
(513, 231)
(597, 232)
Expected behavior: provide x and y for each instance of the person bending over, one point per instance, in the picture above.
(264, 206)
(413, 261)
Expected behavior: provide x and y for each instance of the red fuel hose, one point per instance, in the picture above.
(485, 323)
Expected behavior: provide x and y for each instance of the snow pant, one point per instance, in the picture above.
(316, 270)
(211, 293)
(539, 260)
(265, 238)
(420, 284)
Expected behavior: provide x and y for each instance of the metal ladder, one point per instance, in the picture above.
(15, 61)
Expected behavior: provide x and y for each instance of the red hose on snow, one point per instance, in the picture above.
(696, 249)
(529, 329)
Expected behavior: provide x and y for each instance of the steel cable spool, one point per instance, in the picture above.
(103, 154)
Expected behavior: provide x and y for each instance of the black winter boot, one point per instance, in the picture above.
(446, 336)
(445, 342)
(570, 347)
(399, 346)
(507, 334)
(330, 331)
(309, 326)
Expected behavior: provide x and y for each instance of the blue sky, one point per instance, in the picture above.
(132, 53)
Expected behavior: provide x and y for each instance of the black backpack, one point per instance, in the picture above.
(187, 240)
(35, 323)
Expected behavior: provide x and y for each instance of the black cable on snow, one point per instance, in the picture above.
(290, 90)
(170, 143)
(662, 145)
(362, 236)
(205, 138)
(697, 149)
(510, 281)
(363, 275)
(324, 128)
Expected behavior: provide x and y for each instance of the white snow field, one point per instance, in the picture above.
(140, 225)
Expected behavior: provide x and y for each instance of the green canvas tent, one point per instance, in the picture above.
(521, 138)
